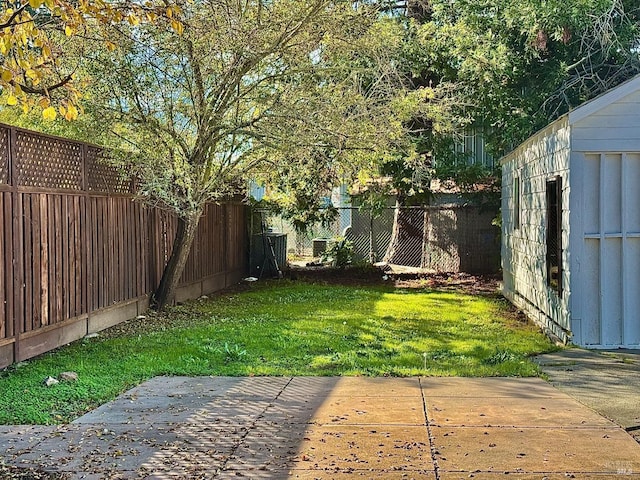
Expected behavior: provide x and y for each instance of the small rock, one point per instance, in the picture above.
(141, 317)
(92, 335)
(69, 377)
(385, 277)
(204, 297)
(50, 381)
(250, 279)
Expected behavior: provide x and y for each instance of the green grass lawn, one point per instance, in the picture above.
(281, 328)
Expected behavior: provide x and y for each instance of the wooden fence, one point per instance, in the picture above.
(78, 254)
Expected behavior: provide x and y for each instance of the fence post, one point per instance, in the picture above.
(84, 234)
(17, 297)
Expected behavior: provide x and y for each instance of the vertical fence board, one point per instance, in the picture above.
(68, 250)
(27, 222)
(129, 249)
(53, 267)
(124, 251)
(60, 221)
(18, 265)
(107, 252)
(8, 256)
(138, 257)
(3, 269)
(100, 246)
(89, 232)
(44, 261)
(77, 269)
(36, 241)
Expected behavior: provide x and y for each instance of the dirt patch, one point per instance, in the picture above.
(464, 282)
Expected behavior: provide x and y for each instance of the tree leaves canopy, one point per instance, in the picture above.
(278, 90)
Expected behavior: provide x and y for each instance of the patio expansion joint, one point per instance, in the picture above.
(432, 443)
(259, 417)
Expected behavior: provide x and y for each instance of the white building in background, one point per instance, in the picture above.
(571, 223)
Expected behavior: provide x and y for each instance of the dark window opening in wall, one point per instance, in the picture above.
(516, 203)
(554, 234)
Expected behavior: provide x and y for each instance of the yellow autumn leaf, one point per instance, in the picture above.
(169, 12)
(31, 73)
(72, 113)
(12, 100)
(6, 75)
(35, 3)
(62, 110)
(68, 31)
(177, 27)
(133, 19)
(49, 114)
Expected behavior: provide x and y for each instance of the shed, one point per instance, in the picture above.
(571, 223)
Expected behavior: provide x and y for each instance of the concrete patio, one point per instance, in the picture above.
(332, 428)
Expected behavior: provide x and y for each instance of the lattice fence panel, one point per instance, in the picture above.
(103, 177)
(4, 155)
(48, 162)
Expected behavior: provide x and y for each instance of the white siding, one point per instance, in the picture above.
(614, 128)
(524, 249)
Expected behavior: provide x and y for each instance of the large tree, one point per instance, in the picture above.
(247, 88)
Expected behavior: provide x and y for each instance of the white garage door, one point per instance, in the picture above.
(610, 260)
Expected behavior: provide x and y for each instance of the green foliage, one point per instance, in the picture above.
(502, 69)
(233, 353)
(280, 329)
(340, 253)
(519, 64)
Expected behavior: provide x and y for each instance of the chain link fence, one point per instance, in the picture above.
(443, 238)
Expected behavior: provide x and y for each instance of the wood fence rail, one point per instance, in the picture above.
(78, 254)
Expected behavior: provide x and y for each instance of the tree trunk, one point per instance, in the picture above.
(185, 234)
(393, 243)
(373, 255)
(425, 261)
(406, 244)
